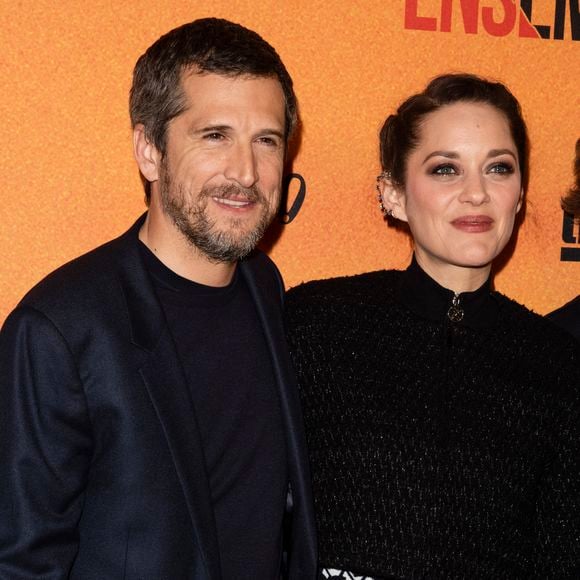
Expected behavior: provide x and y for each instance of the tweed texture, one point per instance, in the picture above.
(437, 449)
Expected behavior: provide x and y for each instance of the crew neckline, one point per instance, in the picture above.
(183, 289)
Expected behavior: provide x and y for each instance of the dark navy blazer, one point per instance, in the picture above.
(102, 473)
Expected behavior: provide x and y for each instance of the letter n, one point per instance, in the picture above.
(469, 11)
(416, 22)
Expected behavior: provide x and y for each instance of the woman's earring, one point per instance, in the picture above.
(381, 204)
(386, 212)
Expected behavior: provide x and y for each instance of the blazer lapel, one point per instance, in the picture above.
(164, 379)
(267, 296)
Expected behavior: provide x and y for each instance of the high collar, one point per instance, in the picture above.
(428, 299)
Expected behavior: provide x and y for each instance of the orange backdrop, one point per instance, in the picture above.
(70, 183)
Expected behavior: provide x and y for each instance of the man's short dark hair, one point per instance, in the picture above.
(208, 45)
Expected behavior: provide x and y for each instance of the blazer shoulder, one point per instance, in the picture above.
(88, 283)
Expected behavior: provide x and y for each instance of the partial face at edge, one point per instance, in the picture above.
(220, 179)
(463, 188)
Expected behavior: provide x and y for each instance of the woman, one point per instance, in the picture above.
(441, 416)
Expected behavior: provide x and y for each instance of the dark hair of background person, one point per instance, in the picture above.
(208, 45)
(400, 133)
(571, 202)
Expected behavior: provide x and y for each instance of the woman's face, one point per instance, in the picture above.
(463, 190)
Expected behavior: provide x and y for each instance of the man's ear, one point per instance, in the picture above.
(393, 198)
(146, 154)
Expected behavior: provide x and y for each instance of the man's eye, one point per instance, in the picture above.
(502, 167)
(268, 141)
(213, 136)
(444, 169)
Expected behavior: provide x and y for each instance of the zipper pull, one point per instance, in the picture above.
(455, 312)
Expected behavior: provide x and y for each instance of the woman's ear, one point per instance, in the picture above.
(392, 197)
(146, 154)
(520, 201)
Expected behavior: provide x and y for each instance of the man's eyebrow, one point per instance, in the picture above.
(228, 128)
(212, 128)
(275, 132)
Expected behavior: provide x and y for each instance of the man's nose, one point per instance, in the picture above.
(241, 166)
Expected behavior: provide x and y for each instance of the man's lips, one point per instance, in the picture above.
(473, 223)
(234, 203)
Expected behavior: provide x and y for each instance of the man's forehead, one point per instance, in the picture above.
(213, 90)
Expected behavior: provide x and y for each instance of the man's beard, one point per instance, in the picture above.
(190, 217)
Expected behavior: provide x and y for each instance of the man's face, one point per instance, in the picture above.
(220, 178)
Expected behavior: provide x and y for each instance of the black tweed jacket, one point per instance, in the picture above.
(438, 449)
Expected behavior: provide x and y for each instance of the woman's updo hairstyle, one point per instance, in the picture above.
(400, 133)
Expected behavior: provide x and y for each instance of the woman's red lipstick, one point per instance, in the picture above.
(473, 224)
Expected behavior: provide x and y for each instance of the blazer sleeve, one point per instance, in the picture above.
(45, 449)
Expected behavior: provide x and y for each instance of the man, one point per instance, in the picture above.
(149, 422)
(568, 316)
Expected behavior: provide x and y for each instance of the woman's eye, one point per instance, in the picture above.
(502, 168)
(445, 169)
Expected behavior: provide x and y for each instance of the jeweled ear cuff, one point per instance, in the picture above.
(384, 210)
